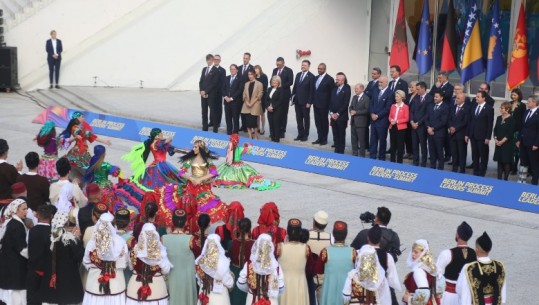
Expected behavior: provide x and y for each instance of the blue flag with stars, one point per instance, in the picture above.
(495, 64)
(423, 57)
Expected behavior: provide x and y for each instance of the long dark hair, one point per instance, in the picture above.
(203, 222)
(205, 153)
(154, 133)
(245, 228)
(67, 132)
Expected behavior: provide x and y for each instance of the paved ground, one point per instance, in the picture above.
(415, 215)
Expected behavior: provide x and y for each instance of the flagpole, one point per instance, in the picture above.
(434, 41)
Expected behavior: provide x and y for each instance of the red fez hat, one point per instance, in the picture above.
(340, 226)
(92, 189)
(18, 188)
(100, 208)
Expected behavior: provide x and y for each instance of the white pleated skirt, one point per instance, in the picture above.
(92, 299)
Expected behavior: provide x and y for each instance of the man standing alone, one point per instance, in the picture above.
(54, 58)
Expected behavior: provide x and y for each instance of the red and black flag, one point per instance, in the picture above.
(449, 43)
(399, 48)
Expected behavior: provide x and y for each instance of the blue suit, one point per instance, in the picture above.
(418, 113)
(233, 108)
(303, 92)
(529, 137)
(340, 99)
(437, 117)
(321, 99)
(380, 105)
(54, 63)
(480, 129)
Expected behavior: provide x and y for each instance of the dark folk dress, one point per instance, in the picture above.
(13, 266)
(504, 128)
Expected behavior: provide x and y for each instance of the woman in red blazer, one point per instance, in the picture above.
(398, 123)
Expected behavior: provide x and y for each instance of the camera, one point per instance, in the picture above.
(395, 251)
(367, 217)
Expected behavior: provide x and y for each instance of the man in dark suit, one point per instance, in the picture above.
(479, 133)
(232, 92)
(379, 110)
(209, 92)
(338, 111)
(372, 88)
(39, 253)
(359, 112)
(218, 107)
(444, 86)
(418, 112)
(303, 99)
(54, 50)
(458, 122)
(243, 75)
(436, 122)
(323, 85)
(529, 143)
(397, 83)
(287, 79)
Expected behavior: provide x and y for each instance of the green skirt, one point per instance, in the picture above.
(237, 297)
(240, 175)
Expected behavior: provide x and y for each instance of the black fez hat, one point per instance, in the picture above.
(294, 223)
(179, 214)
(484, 242)
(100, 208)
(122, 214)
(464, 231)
(375, 234)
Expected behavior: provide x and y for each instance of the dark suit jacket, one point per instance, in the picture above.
(459, 121)
(418, 110)
(209, 83)
(303, 91)
(50, 49)
(277, 100)
(287, 79)
(401, 85)
(222, 77)
(361, 107)
(480, 126)
(371, 88)
(529, 134)
(244, 77)
(380, 106)
(322, 94)
(339, 102)
(235, 90)
(437, 119)
(447, 91)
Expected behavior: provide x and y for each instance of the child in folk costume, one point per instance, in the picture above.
(149, 262)
(420, 283)
(105, 258)
(213, 273)
(46, 138)
(262, 277)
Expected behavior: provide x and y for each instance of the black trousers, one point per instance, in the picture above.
(480, 152)
(275, 119)
(321, 121)
(396, 140)
(436, 151)
(232, 116)
(530, 158)
(408, 140)
(303, 120)
(217, 107)
(54, 69)
(419, 143)
(209, 104)
(459, 153)
(284, 119)
(338, 127)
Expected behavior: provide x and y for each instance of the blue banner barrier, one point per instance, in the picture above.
(511, 195)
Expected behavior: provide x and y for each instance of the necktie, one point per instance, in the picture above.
(436, 107)
(207, 71)
(244, 68)
(380, 95)
(528, 116)
(318, 81)
(393, 86)
(231, 80)
(339, 90)
(458, 109)
(279, 73)
(421, 101)
(477, 110)
(302, 76)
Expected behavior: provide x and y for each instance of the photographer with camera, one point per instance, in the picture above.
(389, 243)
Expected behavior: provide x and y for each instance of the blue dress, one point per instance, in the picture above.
(338, 260)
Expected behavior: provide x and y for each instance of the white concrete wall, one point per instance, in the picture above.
(163, 42)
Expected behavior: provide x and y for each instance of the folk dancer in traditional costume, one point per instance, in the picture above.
(105, 258)
(450, 263)
(420, 283)
(262, 277)
(122, 219)
(47, 139)
(213, 273)
(197, 195)
(318, 240)
(14, 254)
(268, 223)
(482, 282)
(234, 173)
(374, 273)
(149, 262)
(230, 230)
(334, 262)
(80, 132)
(239, 252)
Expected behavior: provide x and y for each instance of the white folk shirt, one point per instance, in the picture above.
(463, 288)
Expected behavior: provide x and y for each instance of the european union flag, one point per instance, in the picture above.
(471, 59)
(423, 56)
(495, 64)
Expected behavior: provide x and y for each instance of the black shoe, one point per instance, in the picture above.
(333, 146)
(388, 151)
(446, 159)
(323, 143)
(316, 142)
(450, 163)
(470, 166)
(297, 138)
(304, 139)
(210, 124)
(282, 135)
(50, 87)
(57, 87)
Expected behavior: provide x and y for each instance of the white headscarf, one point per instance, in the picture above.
(262, 256)
(368, 272)
(213, 261)
(9, 214)
(425, 260)
(58, 231)
(104, 239)
(150, 250)
(64, 199)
